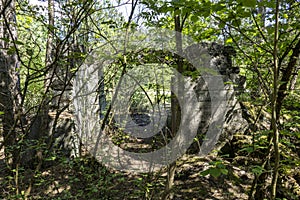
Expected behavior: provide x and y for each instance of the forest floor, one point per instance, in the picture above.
(62, 178)
(85, 178)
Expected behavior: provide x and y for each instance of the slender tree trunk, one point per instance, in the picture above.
(274, 119)
(280, 91)
(177, 83)
(50, 42)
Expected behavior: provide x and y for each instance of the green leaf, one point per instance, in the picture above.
(194, 18)
(205, 172)
(19, 42)
(218, 7)
(1, 113)
(215, 172)
(270, 29)
(249, 3)
(177, 12)
(224, 171)
(5, 39)
(29, 52)
(248, 149)
(229, 40)
(257, 169)
(236, 22)
(11, 50)
(222, 25)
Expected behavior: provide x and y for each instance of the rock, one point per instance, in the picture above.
(221, 59)
(220, 64)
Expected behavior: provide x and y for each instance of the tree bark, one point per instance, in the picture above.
(275, 115)
(286, 77)
(9, 91)
(175, 107)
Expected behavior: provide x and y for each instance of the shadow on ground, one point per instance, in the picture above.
(84, 178)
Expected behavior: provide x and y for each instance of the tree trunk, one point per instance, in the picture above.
(276, 99)
(9, 91)
(275, 115)
(177, 83)
(287, 77)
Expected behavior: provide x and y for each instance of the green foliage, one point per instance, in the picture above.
(216, 169)
(31, 49)
(257, 170)
(246, 25)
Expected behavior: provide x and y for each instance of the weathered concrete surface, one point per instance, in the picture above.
(220, 62)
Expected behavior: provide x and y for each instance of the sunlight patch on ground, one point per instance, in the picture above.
(56, 189)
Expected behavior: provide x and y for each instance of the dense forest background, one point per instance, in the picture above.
(45, 51)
